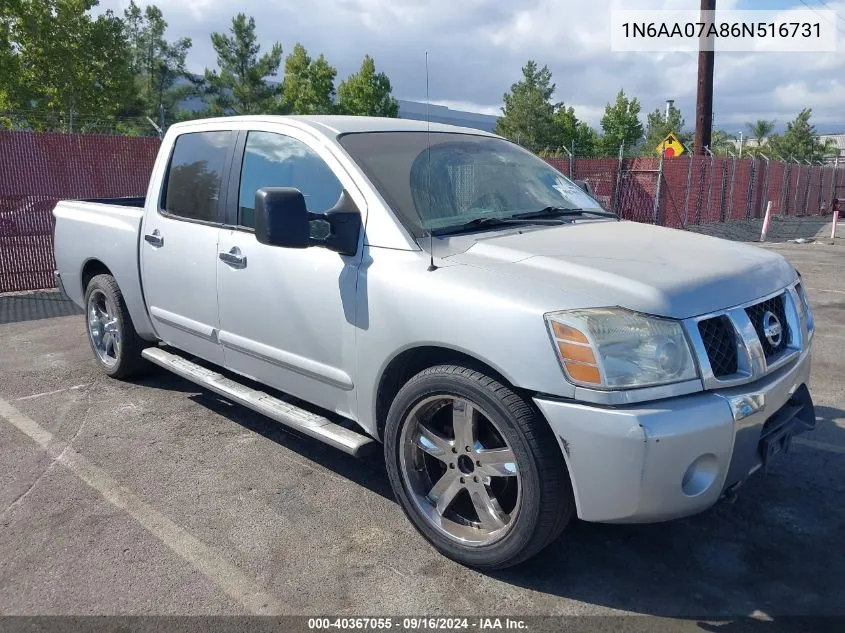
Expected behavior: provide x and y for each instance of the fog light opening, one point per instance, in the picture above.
(700, 475)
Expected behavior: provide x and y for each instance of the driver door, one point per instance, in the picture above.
(287, 315)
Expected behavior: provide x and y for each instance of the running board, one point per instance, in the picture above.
(296, 418)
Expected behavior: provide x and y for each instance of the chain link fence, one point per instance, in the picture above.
(696, 192)
(725, 196)
(37, 170)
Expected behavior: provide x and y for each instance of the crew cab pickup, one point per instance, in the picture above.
(521, 354)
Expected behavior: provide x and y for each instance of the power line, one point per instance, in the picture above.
(829, 8)
(836, 26)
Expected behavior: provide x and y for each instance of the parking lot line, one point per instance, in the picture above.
(199, 555)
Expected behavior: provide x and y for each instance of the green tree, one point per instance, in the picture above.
(800, 141)
(569, 130)
(68, 63)
(240, 85)
(761, 130)
(659, 125)
(528, 113)
(157, 63)
(309, 84)
(133, 26)
(721, 143)
(621, 125)
(367, 93)
(10, 89)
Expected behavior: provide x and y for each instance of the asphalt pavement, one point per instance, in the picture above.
(157, 497)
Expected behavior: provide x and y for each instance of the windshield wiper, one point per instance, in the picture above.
(487, 222)
(558, 212)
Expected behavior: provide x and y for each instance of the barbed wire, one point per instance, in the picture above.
(66, 123)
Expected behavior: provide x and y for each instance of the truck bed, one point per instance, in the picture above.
(93, 235)
(138, 202)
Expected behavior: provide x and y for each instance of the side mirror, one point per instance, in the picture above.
(281, 218)
(585, 186)
(344, 218)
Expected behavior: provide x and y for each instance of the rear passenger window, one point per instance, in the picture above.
(275, 160)
(192, 190)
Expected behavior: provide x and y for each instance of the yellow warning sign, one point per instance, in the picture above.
(670, 146)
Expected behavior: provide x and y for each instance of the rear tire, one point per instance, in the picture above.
(476, 468)
(116, 345)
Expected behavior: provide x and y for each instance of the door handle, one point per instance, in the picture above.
(234, 258)
(155, 238)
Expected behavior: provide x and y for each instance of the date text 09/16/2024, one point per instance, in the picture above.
(418, 623)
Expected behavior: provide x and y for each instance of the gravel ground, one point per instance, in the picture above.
(781, 229)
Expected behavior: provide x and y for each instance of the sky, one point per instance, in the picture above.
(477, 48)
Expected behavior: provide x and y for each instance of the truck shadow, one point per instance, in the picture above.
(370, 474)
(32, 306)
(773, 551)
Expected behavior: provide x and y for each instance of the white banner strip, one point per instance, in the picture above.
(785, 31)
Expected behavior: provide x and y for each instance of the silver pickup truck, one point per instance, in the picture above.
(523, 356)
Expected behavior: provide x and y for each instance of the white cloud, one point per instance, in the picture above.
(477, 47)
(592, 114)
(827, 96)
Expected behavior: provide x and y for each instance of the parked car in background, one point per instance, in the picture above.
(523, 356)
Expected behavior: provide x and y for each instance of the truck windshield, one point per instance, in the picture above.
(459, 178)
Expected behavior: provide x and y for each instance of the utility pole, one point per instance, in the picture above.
(704, 101)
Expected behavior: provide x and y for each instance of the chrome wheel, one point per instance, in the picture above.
(103, 328)
(459, 470)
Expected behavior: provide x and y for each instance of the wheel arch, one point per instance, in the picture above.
(409, 361)
(90, 269)
(129, 285)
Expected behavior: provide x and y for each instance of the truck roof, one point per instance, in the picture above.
(335, 125)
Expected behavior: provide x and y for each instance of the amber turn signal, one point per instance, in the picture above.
(580, 353)
(583, 373)
(568, 333)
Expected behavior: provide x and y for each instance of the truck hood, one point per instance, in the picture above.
(650, 269)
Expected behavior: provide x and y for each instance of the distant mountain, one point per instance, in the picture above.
(441, 114)
(415, 110)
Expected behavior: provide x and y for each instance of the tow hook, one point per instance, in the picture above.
(730, 494)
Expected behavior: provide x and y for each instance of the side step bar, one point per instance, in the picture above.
(296, 418)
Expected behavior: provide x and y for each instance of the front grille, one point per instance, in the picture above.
(720, 343)
(757, 314)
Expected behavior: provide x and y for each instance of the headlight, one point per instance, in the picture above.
(613, 348)
(805, 307)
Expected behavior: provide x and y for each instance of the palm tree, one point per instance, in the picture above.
(761, 130)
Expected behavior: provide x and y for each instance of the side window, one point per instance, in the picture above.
(192, 188)
(274, 160)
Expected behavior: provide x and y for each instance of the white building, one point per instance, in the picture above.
(837, 139)
(839, 142)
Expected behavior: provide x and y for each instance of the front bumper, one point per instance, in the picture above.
(672, 458)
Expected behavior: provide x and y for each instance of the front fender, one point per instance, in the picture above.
(498, 321)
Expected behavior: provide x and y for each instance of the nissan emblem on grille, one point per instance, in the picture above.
(770, 323)
(772, 329)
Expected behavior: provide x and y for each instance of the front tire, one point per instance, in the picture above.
(475, 468)
(117, 347)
